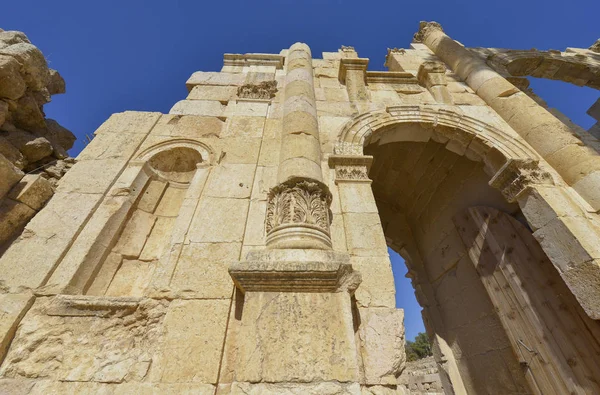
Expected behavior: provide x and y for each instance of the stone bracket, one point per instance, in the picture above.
(292, 270)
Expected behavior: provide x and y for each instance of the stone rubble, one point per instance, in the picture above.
(29, 142)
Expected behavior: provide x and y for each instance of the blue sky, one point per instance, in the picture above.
(137, 55)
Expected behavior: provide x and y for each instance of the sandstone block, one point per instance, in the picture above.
(382, 344)
(33, 190)
(11, 153)
(245, 126)
(364, 234)
(326, 388)
(211, 108)
(13, 308)
(189, 126)
(134, 236)
(201, 270)
(37, 149)
(231, 181)
(12, 84)
(213, 92)
(129, 122)
(9, 175)
(33, 64)
(377, 288)
(194, 332)
(28, 114)
(296, 337)
(78, 179)
(212, 78)
(219, 220)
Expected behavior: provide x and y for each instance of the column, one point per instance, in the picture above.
(578, 165)
(298, 207)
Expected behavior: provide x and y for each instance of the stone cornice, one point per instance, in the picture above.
(253, 59)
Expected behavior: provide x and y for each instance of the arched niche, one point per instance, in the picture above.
(162, 177)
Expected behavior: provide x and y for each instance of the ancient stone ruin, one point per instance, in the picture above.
(33, 149)
(239, 244)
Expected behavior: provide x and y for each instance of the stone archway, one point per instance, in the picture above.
(580, 68)
(430, 164)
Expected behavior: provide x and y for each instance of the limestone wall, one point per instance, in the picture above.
(29, 143)
(238, 244)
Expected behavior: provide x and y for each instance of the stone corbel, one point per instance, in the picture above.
(517, 176)
(351, 168)
(353, 73)
(432, 75)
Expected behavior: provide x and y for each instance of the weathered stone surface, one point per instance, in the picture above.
(483, 191)
(326, 388)
(33, 64)
(283, 343)
(12, 84)
(65, 338)
(9, 175)
(194, 331)
(33, 190)
(13, 308)
(382, 344)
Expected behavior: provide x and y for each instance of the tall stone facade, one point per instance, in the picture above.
(238, 244)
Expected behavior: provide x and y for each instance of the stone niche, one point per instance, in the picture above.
(145, 235)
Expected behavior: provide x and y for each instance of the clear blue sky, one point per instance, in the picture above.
(137, 55)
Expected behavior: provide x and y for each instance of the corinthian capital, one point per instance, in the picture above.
(424, 29)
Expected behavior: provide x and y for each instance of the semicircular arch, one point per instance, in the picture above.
(478, 140)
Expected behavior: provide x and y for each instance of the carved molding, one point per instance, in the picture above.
(299, 202)
(351, 167)
(424, 29)
(264, 91)
(516, 176)
(351, 173)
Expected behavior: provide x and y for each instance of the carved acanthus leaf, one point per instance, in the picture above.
(424, 29)
(265, 90)
(351, 173)
(516, 176)
(300, 202)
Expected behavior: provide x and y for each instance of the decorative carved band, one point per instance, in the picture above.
(351, 173)
(299, 202)
(265, 90)
(516, 176)
(351, 167)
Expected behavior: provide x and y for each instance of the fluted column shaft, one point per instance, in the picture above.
(578, 165)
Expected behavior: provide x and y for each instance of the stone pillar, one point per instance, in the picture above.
(298, 209)
(578, 165)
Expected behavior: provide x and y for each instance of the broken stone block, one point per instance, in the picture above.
(33, 190)
(12, 84)
(381, 336)
(34, 68)
(9, 175)
(37, 149)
